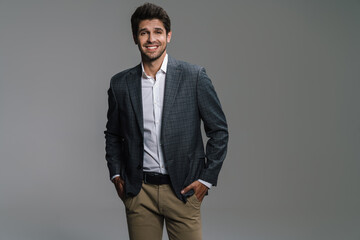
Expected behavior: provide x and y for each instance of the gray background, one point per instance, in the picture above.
(287, 74)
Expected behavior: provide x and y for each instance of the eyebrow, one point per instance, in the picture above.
(145, 29)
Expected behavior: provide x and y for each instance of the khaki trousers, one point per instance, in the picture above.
(147, 211)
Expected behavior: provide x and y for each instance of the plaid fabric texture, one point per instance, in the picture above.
(189, 99)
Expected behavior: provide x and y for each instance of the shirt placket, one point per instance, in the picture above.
(157, 120)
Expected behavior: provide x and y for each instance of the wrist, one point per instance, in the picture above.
(115, 179)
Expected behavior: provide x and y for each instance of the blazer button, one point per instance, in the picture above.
(139, 167)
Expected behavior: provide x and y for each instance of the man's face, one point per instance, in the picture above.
(152, 39)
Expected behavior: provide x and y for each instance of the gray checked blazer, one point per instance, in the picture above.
(189, 98)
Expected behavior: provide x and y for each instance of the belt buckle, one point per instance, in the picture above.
(145, 178)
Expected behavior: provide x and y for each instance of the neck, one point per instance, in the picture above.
(152, 67)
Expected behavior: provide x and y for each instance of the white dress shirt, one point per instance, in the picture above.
(152, 102)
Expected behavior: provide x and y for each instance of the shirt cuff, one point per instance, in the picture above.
(208, 185)
(116, 175)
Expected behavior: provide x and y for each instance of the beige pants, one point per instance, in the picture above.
(147, 211)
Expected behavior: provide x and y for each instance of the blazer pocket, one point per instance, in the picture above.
(189, 175)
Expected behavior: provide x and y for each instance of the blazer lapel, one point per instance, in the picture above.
(134, 87)
(172, 80)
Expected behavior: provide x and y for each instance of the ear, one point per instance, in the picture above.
(135, 39)
(168, 37)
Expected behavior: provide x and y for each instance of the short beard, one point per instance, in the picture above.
(147, 58)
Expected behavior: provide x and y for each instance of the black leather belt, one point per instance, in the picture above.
(156, 178)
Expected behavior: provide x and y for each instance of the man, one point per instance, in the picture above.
(154, 147)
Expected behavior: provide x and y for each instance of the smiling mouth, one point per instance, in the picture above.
(151, 47)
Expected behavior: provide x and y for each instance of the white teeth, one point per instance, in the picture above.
(151, 47)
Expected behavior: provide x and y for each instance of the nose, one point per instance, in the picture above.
(151, 37)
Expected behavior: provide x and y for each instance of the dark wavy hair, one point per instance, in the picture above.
(149, 11)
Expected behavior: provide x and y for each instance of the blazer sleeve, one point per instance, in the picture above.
(113, 139)
(215, 126)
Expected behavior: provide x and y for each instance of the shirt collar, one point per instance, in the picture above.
(163, 67)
